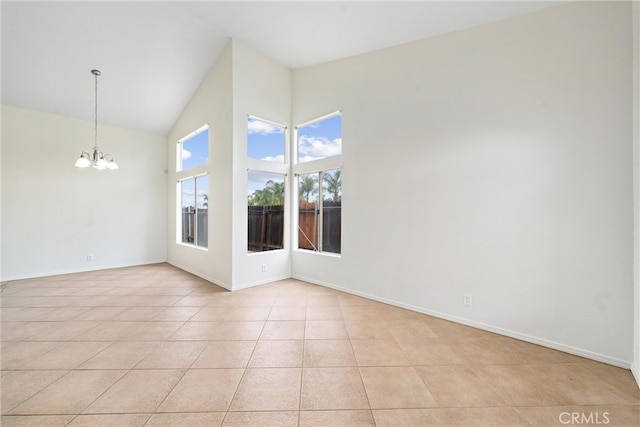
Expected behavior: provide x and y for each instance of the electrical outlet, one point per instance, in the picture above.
(467, 300)
(264, 268)
(89, 257)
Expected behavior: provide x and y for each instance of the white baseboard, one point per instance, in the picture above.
(201, 275)
(52, 273)
(490, 328)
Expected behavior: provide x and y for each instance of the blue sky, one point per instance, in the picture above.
(195, 151)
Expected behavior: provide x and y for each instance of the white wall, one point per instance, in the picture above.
(501, 154)
(636, 192)
(261, 88)
(54, 214)
(242, 82)
(212, 104)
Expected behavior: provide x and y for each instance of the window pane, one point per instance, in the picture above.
(194, 150)
(188, 210)
(320, 139)
(265, 211)
(308, 211)
(331, 210)
(202, 211)
(265, 141)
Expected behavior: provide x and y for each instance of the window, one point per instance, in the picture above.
(265, 140)
(265, 211)
(320, 139)
(268, 164)
(320, 184)
(319, 211)
(194, 210)
(193, 149)
(193, 188)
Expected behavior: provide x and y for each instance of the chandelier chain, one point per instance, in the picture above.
(95, 142)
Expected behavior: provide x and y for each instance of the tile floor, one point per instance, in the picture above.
(155, 346)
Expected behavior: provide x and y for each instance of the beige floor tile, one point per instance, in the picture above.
(288, 313)
(441, 417)
(173, 355)
(120, 355)
(138, 391)
(336, 418)
(332, 388)
(18, 386)
(177, 314)
(68, 355)
(203, 390)
(283, 330)
(458, 386)
(249, 313)
(298, 346)
(367, 329)
(379, 352)
(325, 330)
(359, 312)
(428, 351)
(315, 300)
(101, 313)
(204, 419)
(15, 355)
(323, 313)
(139, 313)
(410, 329)
(152, 331)
(225, 354)
(110, 420)
(328, 353)
(70, 394)
(277, 354)
(268, 389)
(613, 415)
(395, 387)
(291, 300)
(523, 385)
(266, 419)
(35, 421)
(210, 314)
(108, 331)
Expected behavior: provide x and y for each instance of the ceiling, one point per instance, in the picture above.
(153, 55)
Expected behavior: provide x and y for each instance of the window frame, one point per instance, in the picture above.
(319, 167)
(194, 173)
(265, 166)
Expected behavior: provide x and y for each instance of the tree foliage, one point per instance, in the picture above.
(272, 194)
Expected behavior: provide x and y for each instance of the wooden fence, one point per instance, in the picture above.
(266, 228)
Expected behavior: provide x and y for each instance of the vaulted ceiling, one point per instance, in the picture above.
(153, 55)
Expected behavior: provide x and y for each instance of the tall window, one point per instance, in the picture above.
(266, 143)
(320, 184)
(193, 188)
(265, 211)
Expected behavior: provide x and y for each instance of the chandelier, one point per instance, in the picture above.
(96, 158)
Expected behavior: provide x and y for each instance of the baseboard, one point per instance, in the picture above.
(261, 282)
(54, 273)
(201, 275)
(490, 328)
(635, 370)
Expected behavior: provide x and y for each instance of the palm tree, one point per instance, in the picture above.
(307, 187)
(333, 184)
(271, 194)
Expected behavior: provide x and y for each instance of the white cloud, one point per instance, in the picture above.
(185, 154)
(263, 128)
(319, 147)
(278, 158)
